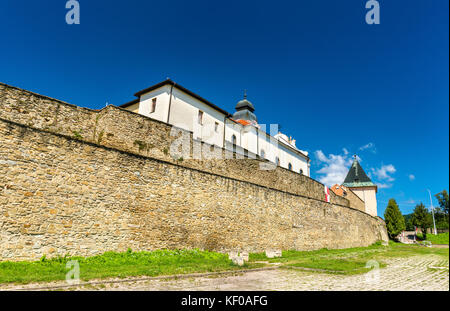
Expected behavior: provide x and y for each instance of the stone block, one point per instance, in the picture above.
(273, 253)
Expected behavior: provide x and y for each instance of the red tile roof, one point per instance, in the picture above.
(243, 122)
(338, 190)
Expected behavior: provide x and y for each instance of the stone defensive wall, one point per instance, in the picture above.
(79, 181)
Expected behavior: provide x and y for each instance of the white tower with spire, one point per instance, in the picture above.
(357, 181)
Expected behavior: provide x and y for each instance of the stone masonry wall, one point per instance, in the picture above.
(355, 201)
(62, 196)
(127, 131)
(67, 189)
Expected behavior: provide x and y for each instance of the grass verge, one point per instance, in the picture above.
(350, 260)
(341, 266)
(170, 262)
(126, 264)
(441, 238)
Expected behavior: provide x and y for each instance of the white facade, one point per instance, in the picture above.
(235, 129)
(369, 196)
(161, 112)
(177, 106)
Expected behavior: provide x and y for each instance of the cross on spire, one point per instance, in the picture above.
(245, 94)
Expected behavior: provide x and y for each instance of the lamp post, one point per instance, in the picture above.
(432, 212)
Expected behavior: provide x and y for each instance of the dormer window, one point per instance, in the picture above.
(277, 161)
(263, 154)
(290, 166)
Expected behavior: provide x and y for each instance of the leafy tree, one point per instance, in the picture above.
(442, 198)
(395, 222)
(441, 213)
(408, 224)
(441, 221)
(422, 218)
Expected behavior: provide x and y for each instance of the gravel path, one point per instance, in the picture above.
(402, 274)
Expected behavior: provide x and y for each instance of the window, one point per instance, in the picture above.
(277, 161)
(263, 154)
(216, 127)
(301, 171)
(153, 107)
(290, 166)
(200, 117)
(233, 140)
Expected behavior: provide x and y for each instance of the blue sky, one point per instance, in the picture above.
(336, 84)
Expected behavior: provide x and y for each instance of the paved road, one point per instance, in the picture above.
(413, 273)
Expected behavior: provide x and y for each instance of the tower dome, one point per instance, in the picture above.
(244, 110)
(245, 104)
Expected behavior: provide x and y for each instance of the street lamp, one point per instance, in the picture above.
(432, 212)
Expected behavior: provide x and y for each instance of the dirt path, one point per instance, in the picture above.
(401, 274)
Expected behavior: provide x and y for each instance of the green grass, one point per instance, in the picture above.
(441, 238)
(170, 262)
(112, 264)
(346, 266)
(350, 260)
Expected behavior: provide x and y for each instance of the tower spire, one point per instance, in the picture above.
(361, 185)
(355, 161)
(356, 177)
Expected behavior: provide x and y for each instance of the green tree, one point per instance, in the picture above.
(442, 198)
(408, 224)
(441, 212)
(421, 218)
(395, 222)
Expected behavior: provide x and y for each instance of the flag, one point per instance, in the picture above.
(327, 194)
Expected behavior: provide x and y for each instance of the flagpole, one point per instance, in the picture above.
(432, 212)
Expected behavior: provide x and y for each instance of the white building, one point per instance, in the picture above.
(173, 104)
